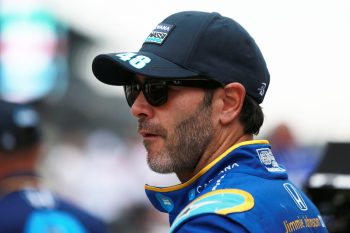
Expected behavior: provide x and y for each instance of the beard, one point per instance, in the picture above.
(184, 148)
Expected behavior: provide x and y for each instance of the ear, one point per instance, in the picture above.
(233, 98)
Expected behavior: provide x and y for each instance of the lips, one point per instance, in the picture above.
(146, 134)
(150, 130)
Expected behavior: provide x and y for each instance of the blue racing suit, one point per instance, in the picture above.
(243, 190)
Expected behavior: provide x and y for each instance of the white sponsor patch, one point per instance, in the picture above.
(268, 160)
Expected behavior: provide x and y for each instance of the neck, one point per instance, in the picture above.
(18, 181)
(214, 150)
(19, 161)
(6, 170)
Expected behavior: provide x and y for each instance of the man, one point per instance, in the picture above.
(195, 87)
(25, 205)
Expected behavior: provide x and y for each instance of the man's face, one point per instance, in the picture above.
(177, 133)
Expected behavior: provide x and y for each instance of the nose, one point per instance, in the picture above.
(141, 108)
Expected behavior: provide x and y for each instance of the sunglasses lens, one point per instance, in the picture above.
(131, 93)
(156, 93)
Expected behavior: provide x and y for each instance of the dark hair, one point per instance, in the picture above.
(208, 97)
(252, 116)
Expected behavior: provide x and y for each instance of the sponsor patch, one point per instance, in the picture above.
(160, 33)
(222, 202)
(297, 198)
(191, 194)
(165, 202)
(268, 160)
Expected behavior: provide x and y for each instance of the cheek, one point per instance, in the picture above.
(187, 100)
(180, 105)
(171, 121)
(216, 110)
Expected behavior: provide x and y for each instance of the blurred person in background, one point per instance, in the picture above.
(299, 160)
(94, 178)
(25, 204)
(196, 86)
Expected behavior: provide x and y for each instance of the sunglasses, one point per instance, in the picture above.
(156, 91)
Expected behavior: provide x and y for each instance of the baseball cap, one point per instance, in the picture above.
(189, 44)
(19, 126)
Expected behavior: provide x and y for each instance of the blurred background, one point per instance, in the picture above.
(93, 155)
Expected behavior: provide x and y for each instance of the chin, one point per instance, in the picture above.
(160, 163)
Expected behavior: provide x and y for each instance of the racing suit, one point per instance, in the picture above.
(243, 190)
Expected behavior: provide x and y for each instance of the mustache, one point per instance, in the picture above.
(151, 128)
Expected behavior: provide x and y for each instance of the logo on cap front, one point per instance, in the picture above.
(160, 33)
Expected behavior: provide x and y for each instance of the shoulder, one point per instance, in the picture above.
(49, 207)
(210, 223)
(218, 202)
(83, 216)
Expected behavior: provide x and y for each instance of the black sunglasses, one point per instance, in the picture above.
(156, 90)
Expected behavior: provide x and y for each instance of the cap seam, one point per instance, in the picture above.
(203, 28)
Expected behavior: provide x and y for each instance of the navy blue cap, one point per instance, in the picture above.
(19, 126)
(189, 44)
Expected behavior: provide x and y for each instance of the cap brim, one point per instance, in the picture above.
(119, 68)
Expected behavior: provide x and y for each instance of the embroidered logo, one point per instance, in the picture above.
(268, 160)
(165, 202)
(298, 199)
(191, 194)
(262, 89)
(159, 34)
(136, 61)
